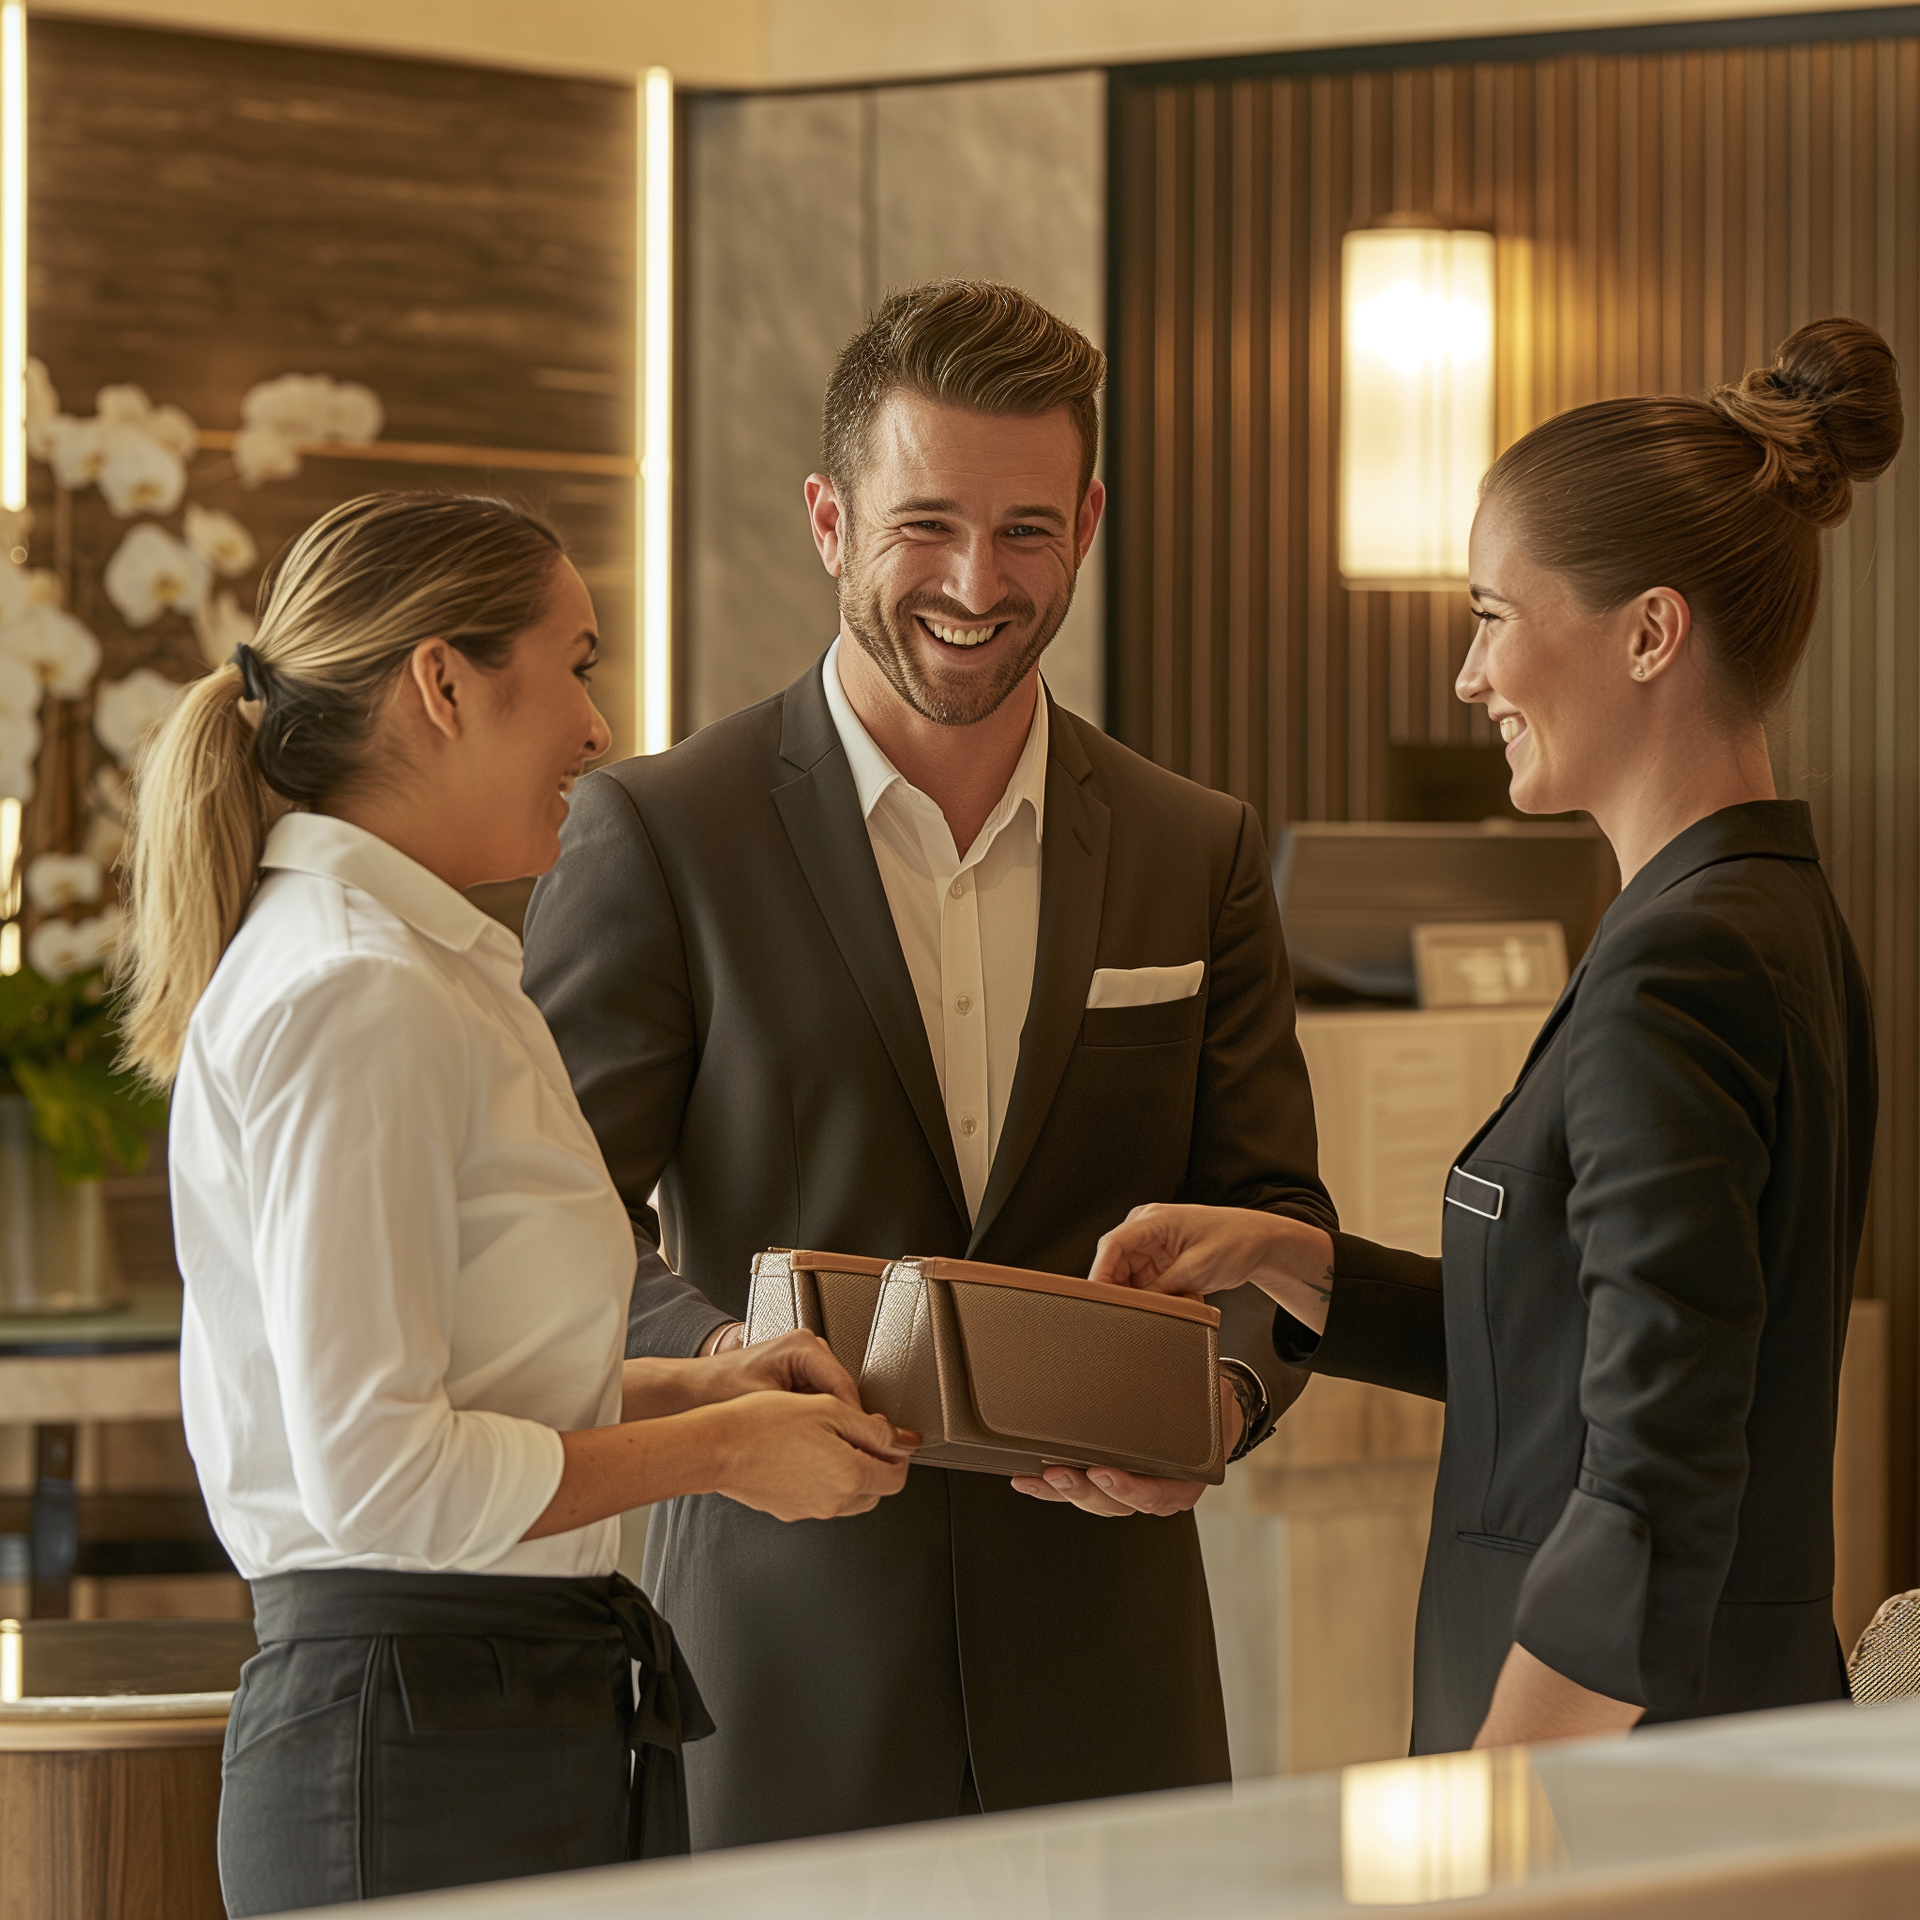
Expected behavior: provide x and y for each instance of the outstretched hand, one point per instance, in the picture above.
(1199, 1250)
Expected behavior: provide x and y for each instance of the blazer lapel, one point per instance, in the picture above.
(820, 809)
(1073, 885)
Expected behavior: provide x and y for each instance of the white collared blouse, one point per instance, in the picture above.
(407, 1271)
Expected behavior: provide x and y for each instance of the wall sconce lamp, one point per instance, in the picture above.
(653, 436)
(1416, 402)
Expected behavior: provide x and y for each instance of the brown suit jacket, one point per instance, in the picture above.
(716, 957)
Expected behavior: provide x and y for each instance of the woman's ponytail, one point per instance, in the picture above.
(341, 611)
(200, 820)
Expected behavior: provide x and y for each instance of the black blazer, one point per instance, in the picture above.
(717, 960)
(1637, 1318)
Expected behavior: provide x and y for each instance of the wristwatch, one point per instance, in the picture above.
(1251, 1391)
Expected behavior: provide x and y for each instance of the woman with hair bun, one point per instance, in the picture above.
(1637, 1317)
(407, 1270)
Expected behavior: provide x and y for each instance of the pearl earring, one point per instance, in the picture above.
(1639, 673)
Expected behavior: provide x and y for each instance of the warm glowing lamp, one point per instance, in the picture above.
(1416, 402)
(653, 677)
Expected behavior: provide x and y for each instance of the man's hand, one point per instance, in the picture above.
(1533, 1702)
(1115, 1495)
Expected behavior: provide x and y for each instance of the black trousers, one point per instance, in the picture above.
(399, 1732)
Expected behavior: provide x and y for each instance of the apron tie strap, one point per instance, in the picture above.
(669, 1710)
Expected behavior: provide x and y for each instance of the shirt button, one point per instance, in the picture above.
(964, 1003)
(959, 888)
(969, 1126)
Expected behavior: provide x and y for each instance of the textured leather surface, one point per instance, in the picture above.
(830, 1294)
(770, 1308)
(1004, 1379)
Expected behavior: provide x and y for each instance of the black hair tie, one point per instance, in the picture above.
(253, 673)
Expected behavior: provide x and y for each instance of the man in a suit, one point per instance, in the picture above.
(909, 960)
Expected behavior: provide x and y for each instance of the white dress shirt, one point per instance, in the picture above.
(406, 1269)
(969, 924)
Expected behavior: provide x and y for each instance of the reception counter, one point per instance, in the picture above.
(1775, 1816)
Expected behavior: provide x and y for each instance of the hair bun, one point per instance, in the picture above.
(1826, 413)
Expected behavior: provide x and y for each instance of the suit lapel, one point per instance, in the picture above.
(1073, 885)
(820, 809)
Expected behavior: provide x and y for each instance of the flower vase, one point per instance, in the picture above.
(56, 1249)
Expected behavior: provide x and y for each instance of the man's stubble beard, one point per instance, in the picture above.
(884, 636)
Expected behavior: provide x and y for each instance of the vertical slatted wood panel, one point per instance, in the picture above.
(1662, 221)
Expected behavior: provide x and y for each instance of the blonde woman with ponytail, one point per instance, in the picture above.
(407, 1272)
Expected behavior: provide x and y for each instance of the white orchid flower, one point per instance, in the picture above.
(105, 841)
(151, 571)
(77, 450)
(97, 937)
(220, 626)
(59, 648)
(56, 881)
(168, 427)
(140, 475)
(20, 688)
(16, 591)
(42, 401)
(125, 710)
(220, 540)
(173, 428)
(293, 406)
(353, 412)
(109, 794)
(56, 949)
(43, 411)
(125, 405)
(19, 750)
(264, 453)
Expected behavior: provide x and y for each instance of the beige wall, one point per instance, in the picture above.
(802, 211)
(754, 43)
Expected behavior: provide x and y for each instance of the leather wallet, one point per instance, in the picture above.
(1006, 1371)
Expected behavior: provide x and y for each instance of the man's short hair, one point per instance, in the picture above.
(964, 343)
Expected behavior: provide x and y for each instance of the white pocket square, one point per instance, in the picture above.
(1145, 986)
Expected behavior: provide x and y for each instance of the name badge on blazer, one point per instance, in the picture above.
(1469, 1192)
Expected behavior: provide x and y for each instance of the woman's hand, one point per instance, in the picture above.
(809, 1456)
(797, 1456)
(1533, 1702)
(1199, 1250)
(794, 1363)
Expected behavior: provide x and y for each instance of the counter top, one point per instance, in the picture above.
(1812, 1810)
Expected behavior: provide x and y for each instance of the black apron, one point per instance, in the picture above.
(404, 1731)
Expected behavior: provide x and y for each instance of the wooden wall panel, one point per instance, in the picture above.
(207, 212)
(1663, 220)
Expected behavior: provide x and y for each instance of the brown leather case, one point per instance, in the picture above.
(1005, 1371)
(831, 1294)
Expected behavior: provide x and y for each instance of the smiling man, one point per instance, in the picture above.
(910, 960)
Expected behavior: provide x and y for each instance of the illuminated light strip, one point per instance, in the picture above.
(653, 431)
(13, 255)
(9, 885)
